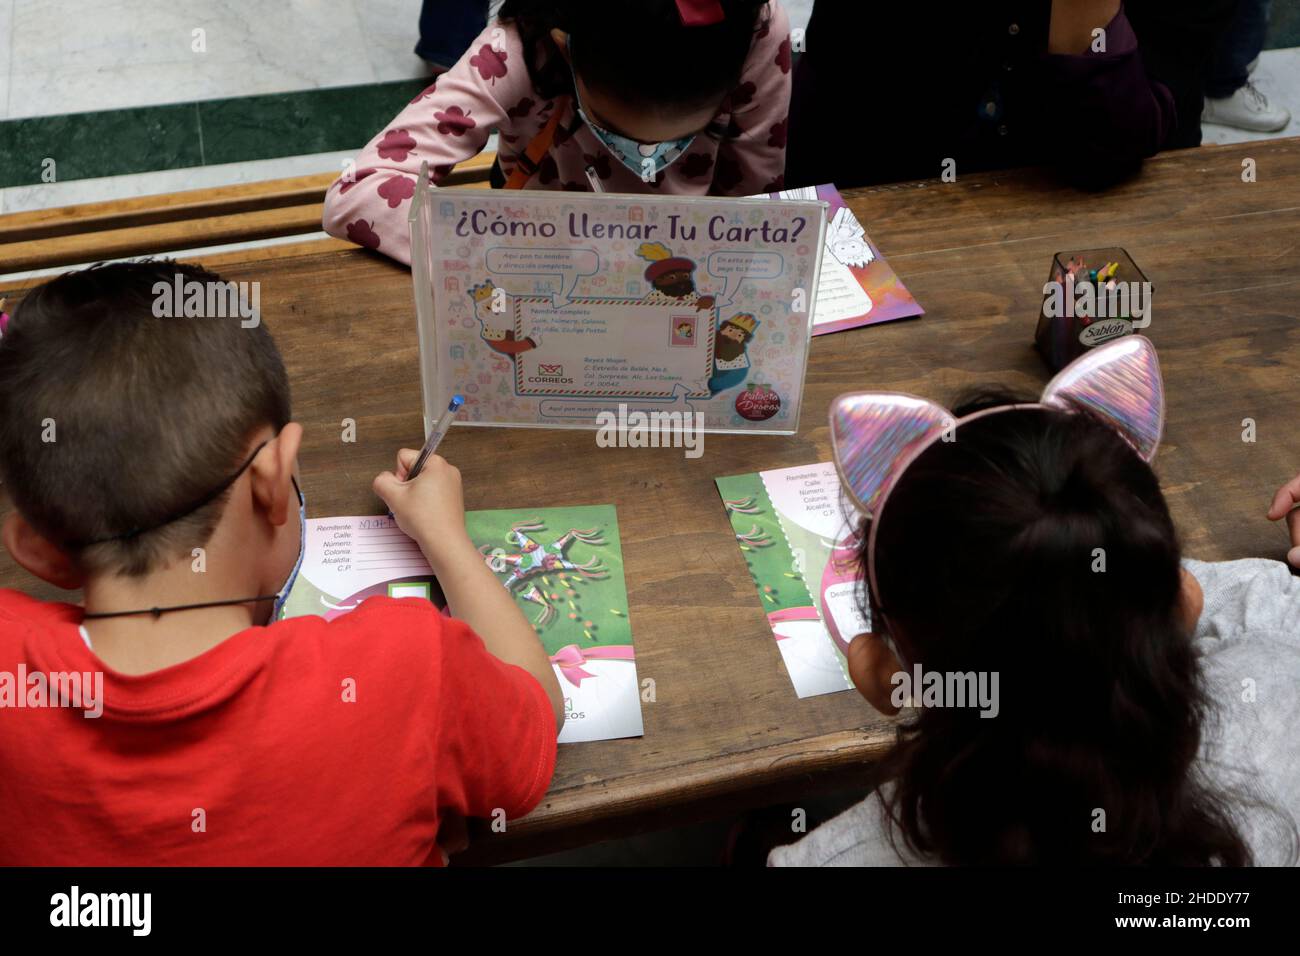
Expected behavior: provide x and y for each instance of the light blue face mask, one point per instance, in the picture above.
(647, 160)
(283, 594)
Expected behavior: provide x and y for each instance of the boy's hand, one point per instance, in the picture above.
(1284, 506)
(430, 509)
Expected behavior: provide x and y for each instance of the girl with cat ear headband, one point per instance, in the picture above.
(877, 435)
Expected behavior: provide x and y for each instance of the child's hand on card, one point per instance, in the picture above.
(1284, 506)
(431, 509)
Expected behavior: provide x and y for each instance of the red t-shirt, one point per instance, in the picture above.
(252, 752)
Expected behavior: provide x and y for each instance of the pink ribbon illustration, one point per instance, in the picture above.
(806, 613)
(571, 657)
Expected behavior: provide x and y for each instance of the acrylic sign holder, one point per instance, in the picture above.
(576, 310)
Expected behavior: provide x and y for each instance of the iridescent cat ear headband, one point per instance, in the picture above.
(877, 435)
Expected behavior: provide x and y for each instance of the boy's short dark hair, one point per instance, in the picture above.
(113, 418)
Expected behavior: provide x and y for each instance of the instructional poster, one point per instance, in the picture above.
(551, 308)
(564, 567)
(800, 542)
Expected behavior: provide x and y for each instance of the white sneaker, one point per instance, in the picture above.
(1248, 108)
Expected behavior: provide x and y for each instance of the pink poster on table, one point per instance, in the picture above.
(856, 286)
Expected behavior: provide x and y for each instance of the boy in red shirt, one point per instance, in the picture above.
(150, 462)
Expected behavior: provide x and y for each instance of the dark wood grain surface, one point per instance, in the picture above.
(726, 728)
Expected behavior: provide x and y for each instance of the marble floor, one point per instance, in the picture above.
(75, 56)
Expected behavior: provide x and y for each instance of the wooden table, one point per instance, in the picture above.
(726, 729)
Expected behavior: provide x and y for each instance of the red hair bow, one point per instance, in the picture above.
(700, 13)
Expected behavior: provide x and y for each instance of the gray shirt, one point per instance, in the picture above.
(1248, 637)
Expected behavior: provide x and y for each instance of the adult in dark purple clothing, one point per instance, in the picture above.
(887, 91)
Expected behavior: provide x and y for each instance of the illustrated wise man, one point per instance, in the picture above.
(671, 278)
(730, 358)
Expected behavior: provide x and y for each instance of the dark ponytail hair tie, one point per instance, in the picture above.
(700, 13)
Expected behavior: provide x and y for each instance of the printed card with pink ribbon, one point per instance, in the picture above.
(564, 567)
(799, 538)
(559, 309)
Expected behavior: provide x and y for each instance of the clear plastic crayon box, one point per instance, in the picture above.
(1092, 296)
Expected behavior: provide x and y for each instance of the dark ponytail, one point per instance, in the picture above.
(1038, 545)
(636, 50)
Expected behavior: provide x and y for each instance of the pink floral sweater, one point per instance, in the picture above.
(490, 88)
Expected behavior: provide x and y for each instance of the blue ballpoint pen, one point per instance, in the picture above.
(436, 436)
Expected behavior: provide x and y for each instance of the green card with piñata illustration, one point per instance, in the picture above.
(564, 567)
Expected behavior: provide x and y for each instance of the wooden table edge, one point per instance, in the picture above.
(594, 810)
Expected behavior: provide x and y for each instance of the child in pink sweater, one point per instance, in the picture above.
(681, 97)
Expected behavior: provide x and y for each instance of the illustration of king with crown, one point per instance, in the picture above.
(491, 308)
(730, 358)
